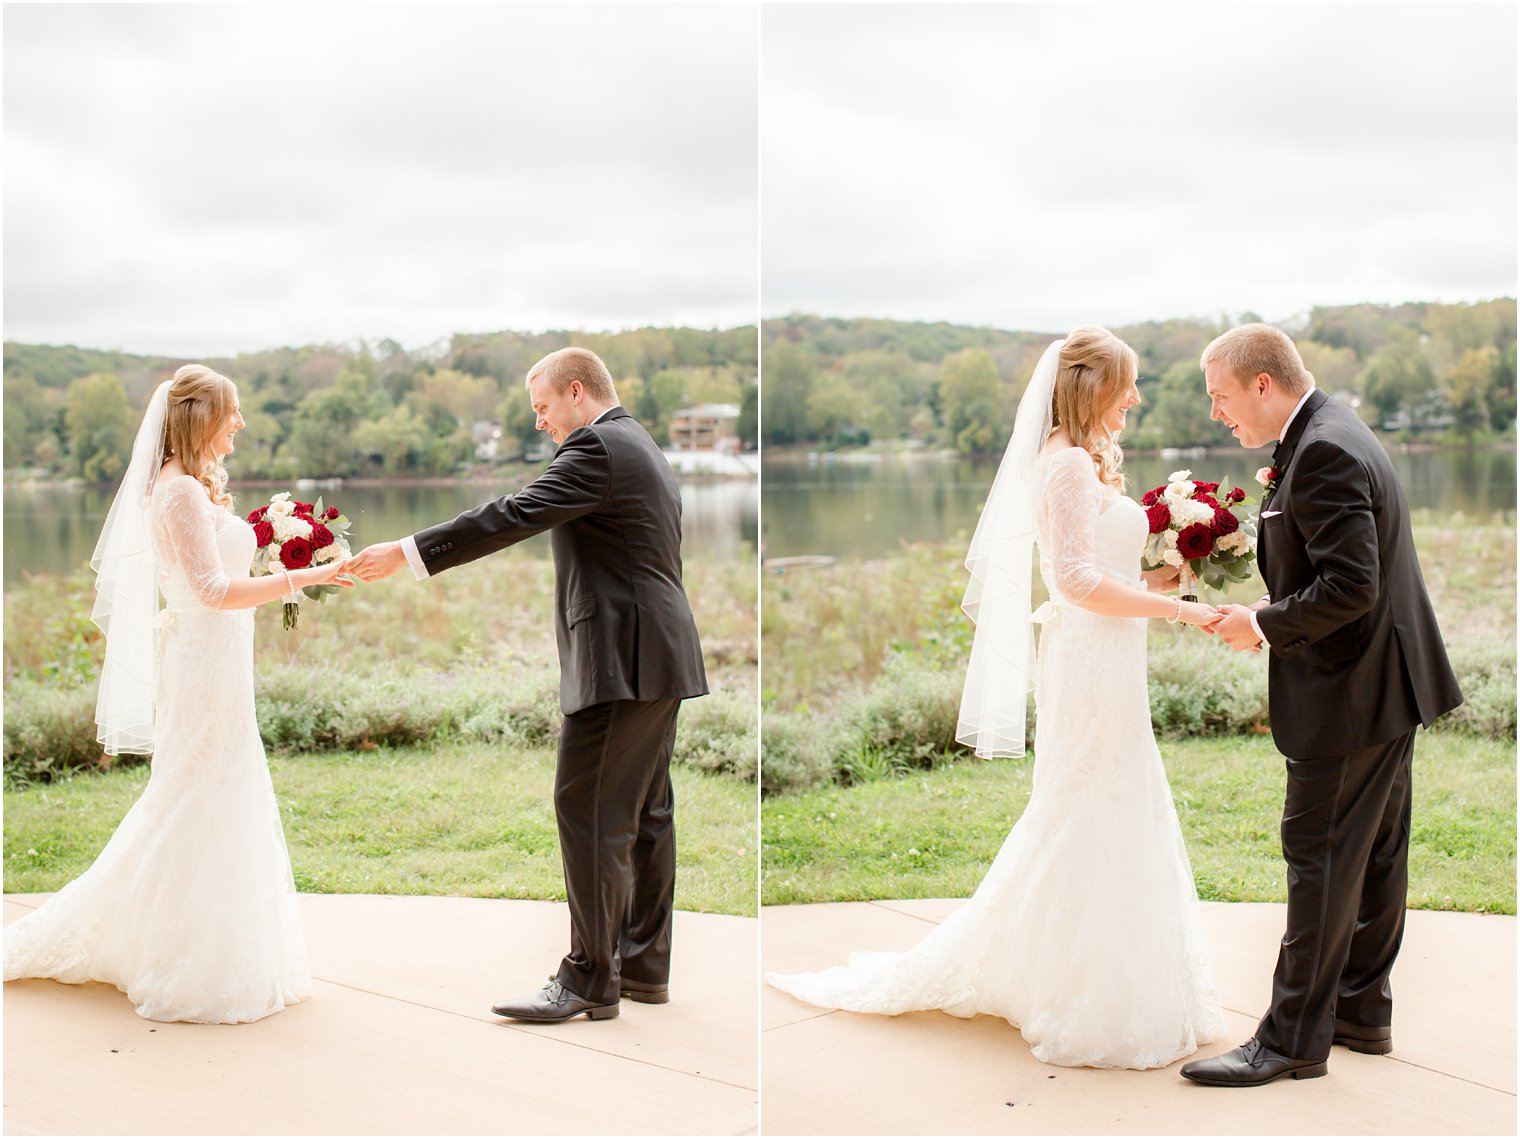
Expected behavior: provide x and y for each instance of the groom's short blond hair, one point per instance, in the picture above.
(567, 365)
(1252, 349)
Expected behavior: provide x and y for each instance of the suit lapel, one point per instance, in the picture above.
(1282, 458)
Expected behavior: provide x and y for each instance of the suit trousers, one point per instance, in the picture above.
(1345, 837)
(615, 807)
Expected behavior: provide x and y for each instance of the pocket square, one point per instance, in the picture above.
(1270, 513)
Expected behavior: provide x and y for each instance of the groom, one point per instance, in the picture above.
(1356, 664)
(628, 654)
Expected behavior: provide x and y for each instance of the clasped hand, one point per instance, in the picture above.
(1234, 628)
(1231, 623)
(375, 562)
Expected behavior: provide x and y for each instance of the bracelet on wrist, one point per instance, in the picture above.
(290, 585)
(1177, 616)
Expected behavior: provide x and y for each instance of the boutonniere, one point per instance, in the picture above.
(1268, 478)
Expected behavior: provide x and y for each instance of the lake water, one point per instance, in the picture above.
(53, 529)
(851, 508)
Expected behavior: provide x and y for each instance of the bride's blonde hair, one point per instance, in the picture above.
(200, 403)
(1094, 369)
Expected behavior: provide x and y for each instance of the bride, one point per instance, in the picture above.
(191, 908)
(1085, 932)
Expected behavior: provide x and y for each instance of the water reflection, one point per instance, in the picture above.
(51, 529)
(868, 509)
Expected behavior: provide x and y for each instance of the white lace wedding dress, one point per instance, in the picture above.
(190, 908)
(1085, 933)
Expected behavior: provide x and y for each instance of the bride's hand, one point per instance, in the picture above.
(1203, 616)
(1162, 579)
(327, 574)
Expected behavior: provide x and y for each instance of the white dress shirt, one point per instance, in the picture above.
(1266, 644)
(409, 543)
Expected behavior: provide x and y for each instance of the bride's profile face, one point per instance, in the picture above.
(221, 440)
(1113, 419)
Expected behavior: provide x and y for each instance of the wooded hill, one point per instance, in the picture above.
(1442, 371)
(373, 409)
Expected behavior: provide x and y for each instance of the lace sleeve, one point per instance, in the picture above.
(1069, 506)
(189, 520)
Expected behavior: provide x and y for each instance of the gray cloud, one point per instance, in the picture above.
(1043, 165)
(213, 178)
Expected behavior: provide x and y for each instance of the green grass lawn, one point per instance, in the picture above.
(457, 819)
(932, 834)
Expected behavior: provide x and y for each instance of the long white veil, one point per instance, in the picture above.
(1001, 672)
(126, 601)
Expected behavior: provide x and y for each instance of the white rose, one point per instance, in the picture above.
(1170, 538)
(1234, 543)
(1191, 512)
(280, 507)
(328, 554)
(288, 527)
(1179, 476)
(1178, 491)
(1171, 557)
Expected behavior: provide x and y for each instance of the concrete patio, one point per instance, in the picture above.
(398, 1039)
(1452, 1070)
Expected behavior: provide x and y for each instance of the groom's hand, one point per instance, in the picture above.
(1236, 629)
(375, 562)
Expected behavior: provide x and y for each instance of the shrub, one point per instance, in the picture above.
(49, 732)
(906, 717)
(798, 752)
(1486, 672)
(718, 733)
(1199, 687)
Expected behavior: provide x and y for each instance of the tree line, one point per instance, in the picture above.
(1444, 372)
(372, 409)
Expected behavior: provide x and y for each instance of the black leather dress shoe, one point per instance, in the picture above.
(1251, 1064)
(552, 1003)
(1361, 1038)
(644, 992)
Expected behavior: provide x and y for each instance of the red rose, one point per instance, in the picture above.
(1207, 500)
(1225, 522)
(304, 507)
(1195, 541)
(296, 553)
(263, 533)
(1160, 517)
(1150, 497)
(1207, 487)
(257, 516)
(329, 514)
(321, 536)
(1238, 494)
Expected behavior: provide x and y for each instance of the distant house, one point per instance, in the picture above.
(487, 436)
(706, 427)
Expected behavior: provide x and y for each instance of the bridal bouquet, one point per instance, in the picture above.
(293, 535)
(1203, 527)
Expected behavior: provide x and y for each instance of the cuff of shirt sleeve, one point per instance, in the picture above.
(1255, 624)
(414, 558)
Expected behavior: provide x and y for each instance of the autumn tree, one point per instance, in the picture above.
(971, 399)
(100, 424)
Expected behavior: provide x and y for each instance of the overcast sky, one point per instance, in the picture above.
(1038, 166)
(207, 179)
